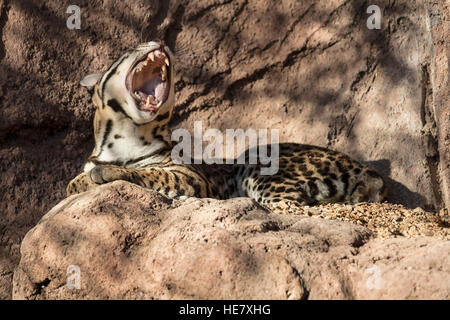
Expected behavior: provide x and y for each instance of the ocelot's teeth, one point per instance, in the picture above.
(163, 72)
(147, 103)
(159, 104)
(166, 60)
(152, 56)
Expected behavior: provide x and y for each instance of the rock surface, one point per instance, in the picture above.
(132, 243)
(311, 69)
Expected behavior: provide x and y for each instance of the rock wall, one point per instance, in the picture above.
(439, 24)
(311, 69)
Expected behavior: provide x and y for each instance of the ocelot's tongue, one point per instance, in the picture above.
(151, 92)
(154, 87)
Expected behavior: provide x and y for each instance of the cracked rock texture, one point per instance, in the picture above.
(132, 243)
(309, 68)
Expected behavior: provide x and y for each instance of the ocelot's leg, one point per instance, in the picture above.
(173, 181)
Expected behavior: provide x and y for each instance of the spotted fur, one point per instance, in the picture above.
(135, 146)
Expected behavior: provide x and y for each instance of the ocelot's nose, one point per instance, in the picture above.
(161, 43)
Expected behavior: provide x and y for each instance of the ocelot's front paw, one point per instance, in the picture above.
(108, 173)
(97, 176)
(80, 183)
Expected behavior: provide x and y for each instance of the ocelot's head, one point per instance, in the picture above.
(139, 85)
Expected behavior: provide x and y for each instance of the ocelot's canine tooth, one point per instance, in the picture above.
(152, 56)
(166, 60)
(164, 69)
(163, 72)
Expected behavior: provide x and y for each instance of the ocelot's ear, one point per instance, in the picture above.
(90, 80)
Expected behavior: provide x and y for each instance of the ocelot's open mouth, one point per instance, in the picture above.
(149, 80)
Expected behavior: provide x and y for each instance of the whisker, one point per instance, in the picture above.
(181, 50)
